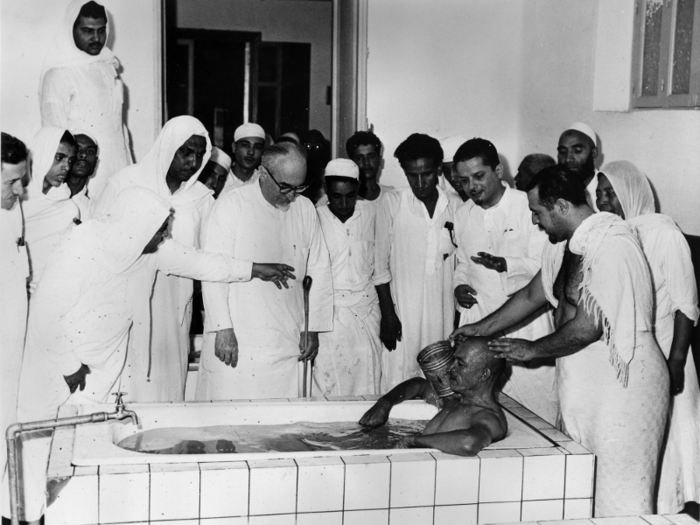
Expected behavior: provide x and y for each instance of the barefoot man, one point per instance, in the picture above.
(470, 420)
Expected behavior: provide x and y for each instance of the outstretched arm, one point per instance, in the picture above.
(519, 307)
(379, 413)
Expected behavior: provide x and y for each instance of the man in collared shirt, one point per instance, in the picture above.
(499, 253)
(349, 362)
(414, 226)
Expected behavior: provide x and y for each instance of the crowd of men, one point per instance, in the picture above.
(592, 310)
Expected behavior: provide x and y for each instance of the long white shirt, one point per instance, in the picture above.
(506, 230)
(349, 359)
(416, 255)
(267, 321)
(78, 91)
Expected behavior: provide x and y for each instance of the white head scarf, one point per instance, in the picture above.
(128, 225)
(90, 134)
(64, 53)
(43, 148)
(631, 187)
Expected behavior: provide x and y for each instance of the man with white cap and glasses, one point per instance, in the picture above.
(253, 335)
(577, 150)
(248, 145)
(349, 362)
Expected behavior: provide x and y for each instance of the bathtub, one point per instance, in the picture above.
(536, 473)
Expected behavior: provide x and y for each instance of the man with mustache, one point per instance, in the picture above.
(577, 150)
(80, 87)
(499, 253)
(248, 145)
(86, 160)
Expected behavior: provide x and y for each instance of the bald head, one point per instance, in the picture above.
(284, 173)
(475, 366)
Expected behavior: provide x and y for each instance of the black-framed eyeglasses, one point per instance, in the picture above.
(286, 189)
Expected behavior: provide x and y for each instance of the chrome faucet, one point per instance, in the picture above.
(122, 412)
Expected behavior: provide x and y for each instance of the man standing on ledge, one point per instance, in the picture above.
(80, 88)
(253, 335)
(612, 377)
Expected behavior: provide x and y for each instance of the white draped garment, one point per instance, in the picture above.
(416, 253)
(81, 91)
(349, 359)
(675, 291)
(506, 230)
(267, 322)
(163, 379)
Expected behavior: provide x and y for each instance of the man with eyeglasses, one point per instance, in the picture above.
(253, 336)
(86, 161)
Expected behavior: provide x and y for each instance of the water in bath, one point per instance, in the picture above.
(295, 437)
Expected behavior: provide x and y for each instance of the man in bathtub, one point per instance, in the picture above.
(470, 419)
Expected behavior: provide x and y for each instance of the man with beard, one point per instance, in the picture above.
(499, 252)
(612, 379)
(80, 87)
(577, 150)
(248, 145)
(365, 149)
(416, 261)
(86, 160)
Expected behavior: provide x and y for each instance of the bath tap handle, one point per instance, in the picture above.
(119, 401)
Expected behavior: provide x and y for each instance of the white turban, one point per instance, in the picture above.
(342, 168)
(220, 157)
(586, 130)
(248, 130)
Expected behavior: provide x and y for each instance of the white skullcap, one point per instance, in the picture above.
(248, 130)
(220, 157)
(586, 130)
(342, 168)
(450, 145)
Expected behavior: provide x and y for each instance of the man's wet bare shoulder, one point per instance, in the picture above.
(461, 416)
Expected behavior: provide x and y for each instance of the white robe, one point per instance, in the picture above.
(94, 295)
(417, 256)
(171, 303)
(349, 358)
(80, 91)
(48, 218)
(506, 230)
(14, 271)
(84, 203)
(267, 322)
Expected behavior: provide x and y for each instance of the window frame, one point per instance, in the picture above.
(664, 99)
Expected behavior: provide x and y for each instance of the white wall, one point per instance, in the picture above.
(516, 73)
(28, 27)
(279, 21)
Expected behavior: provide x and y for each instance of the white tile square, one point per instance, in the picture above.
(280, 519)
(242, 520)
(412, 480)
(543, 510)
(124, 493)
(174, 491)
(575, 448)
(501, 480)
(224, 489)
(499, 512)
(623, 520)
(178, 522)
(366, 517)
(578, 508)
(320, 484)
(456, 479)
(367, 482)
(579, 476)
(273, 486)
(543, 477)
(77, 501)
(455, 515)
(413, 515)
(570, 522)
(320, 518)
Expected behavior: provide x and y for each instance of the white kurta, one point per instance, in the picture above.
(674, 282)
(416, 254)
(171, 303)
(84, 204)
(14, 270)
(349, 359)
(506, 230)
(267, 321)
(83, 312)
(233, 182)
